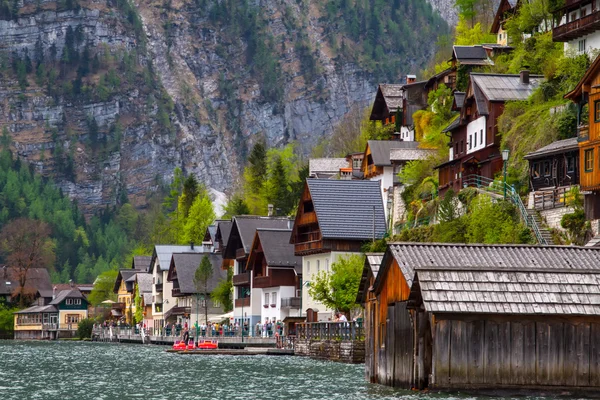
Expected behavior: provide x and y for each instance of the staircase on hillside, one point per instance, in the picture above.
(498, 189)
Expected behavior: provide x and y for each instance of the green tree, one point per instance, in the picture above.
(201, 277)
(224, 290)
(103, 288)
(236, 205)
(201, 215)
(139, 312)
(84, 328)
(467, 9)
(191, 189)
(337, 289)
(255, 176)
(277, 188)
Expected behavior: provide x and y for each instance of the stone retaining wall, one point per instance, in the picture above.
(346, 351)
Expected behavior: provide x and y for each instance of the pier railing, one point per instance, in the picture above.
(352, 330)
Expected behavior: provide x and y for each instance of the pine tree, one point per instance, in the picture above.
(278, 192)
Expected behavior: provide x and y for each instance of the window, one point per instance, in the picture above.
(72, 318)
(481, 137)
(327, 264)
(266, 298)
(535, 171)
(274, 298)
(356, 163)
(470, 142)
(597, 111)
(455, 149)
(318, 266)
(547, 168)
(216, 304)
(589, 160)
(475, 139)
(308, 267)
(69, 302)
(570, 164)
(581, 44)
(462, 146)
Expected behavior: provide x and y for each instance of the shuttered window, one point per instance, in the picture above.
(589, 160)
(597, 111)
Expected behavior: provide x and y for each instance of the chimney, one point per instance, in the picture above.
(53, 292)
(525, 77)
(71, 283)
(270, 206)
(411, 78)
(192, 245)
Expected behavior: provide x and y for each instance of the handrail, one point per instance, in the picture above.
(497, 187)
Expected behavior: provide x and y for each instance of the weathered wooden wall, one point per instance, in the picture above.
(495, 352)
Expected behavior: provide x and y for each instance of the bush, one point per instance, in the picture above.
(84, 329)
(7, 319)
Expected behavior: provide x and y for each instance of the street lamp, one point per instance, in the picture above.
(390, 203)
(505, 154)
(243, 293)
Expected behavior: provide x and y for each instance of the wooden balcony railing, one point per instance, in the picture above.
(371, 170)
(243, 302)
(118, 306)
(352, 330)
(549, 199)
(308, 246)
(307, 218)
(176, 292)
(579, 27)
(242, 279)
(159, 287)
(583, 133)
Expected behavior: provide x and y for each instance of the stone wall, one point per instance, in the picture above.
(346, 351)
(553, 216)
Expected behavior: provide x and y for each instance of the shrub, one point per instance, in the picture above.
(84, 329)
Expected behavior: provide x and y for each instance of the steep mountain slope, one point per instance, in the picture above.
(110, 98)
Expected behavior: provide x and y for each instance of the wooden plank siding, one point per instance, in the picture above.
(507, 351)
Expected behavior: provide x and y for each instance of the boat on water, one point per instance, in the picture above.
(208, 345)
(179, 345)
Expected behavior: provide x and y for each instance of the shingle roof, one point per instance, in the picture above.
(372, 263)
(410, 154)
(277, 248)
(453, 125)
(64, 294)
(37, 279)
(501, 87)
(165, 252)
(459, 99)
(223, 230)
(480, 100)
(246, 226)
(472, 55)
(345, 208)
(186, 265)
(142, 263)
(508, 291)
(144, 281)
(38, 309)
(212, 232)
(326, 165)
(381, 149)
(559, 146)
(410, 256)
(392, 93)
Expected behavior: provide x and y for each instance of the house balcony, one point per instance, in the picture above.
(243, 302)
(240, 254)
(578, 28)
(118, 306)
(242, 279)
(583, 133)
(291, 302)
(269, 281)
(159, 287)
(176, 292)
(308, 218)
(308, 247)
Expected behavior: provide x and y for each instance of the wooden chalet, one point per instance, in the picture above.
(506, 9)
(469, 56)
(553, 169)
(124, 288)
(482, 328)
(37, 284)
(144, 285)
(338, 215)
(328, 168)
(278, 272)
(221, 238)
(577, 23)
(587, 97)
(404, 343)
(446, 77)
(475, 144)
(387, 157)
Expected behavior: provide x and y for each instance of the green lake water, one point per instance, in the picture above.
(74, 370)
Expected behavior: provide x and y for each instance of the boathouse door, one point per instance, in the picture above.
(399, 346)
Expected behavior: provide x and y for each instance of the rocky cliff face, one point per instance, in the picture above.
(181, 91)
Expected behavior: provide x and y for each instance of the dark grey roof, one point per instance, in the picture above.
(560, 146)
(126, 275)
(480, 100)
(453, 125)
(165, 252)
(503, 87)
(459, 99)
(144, 281)
(66, 294)
(223, 230)
(212, 232)
(472, 55)
(277, 248)
(508, 291)
(414, 255)
(186, 264)
(345, 208)
(246, 226)
(38, 309)
(381, 149)
(37, 279)
(371, 265)
(142, 263)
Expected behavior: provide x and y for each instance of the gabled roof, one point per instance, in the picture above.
(124, 275)
(371, 266)
(505, 87)
(73, 293)
(326, 165)
(410, 256)
(459, 100)
(345, 209)
(141, 263)
(453, 125)
(392, 93)
(381, 150)
(164, 253)
(144, 281)
(505, 6)
(471, 55)
(276, 248)
(210, 234)
(244, 227)
(37, 279)
(506, 291)
(38, 309)
(410, 154)
(587, 80)
(223, 231)
(560, 146)
(186, 264)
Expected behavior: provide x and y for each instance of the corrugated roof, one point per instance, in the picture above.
(326, 165)
(508, 291)
(186, 265)
(165, 252)
(381, 149)
(345, 208)
(414, 255)
(501, 87)
(556, 147)
(277, 248)
(472, 55)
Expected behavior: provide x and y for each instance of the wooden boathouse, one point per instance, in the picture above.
(401, 325)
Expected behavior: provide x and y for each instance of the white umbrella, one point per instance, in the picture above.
(108, 302)
(219, 318)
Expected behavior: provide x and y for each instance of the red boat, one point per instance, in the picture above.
(208, 345)
(179, 345)
(190, 345)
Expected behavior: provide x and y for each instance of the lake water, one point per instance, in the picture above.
(79, 370)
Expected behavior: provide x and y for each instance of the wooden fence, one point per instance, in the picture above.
(549, 199)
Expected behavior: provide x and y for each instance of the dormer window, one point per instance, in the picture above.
(308, 206)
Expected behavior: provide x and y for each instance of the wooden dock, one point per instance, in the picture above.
(249, 351)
